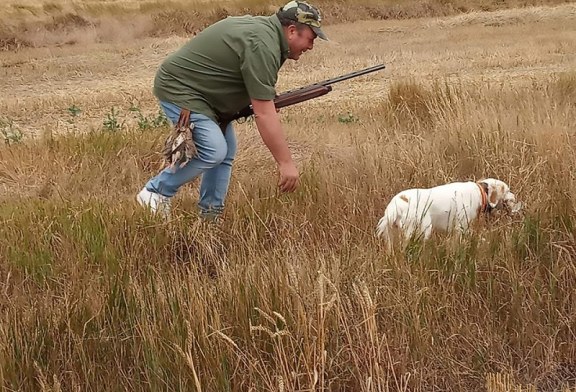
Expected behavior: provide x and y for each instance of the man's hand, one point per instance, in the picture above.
(288, 177)
(268, 123)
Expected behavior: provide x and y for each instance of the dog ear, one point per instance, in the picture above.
(495, 194)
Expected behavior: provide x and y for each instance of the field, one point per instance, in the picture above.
(290, 292)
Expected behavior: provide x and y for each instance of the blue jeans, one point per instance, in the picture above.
(216, 152)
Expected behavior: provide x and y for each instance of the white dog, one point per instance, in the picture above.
(416, 213)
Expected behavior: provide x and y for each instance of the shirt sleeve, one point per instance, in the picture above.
(259, 68)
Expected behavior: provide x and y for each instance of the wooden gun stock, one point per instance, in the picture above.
(301, 95)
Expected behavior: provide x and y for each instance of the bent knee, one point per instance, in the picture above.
(230, 154)
(213, 156)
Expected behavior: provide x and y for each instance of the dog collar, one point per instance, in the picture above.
(485, 207)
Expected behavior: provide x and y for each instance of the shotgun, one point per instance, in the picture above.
(298, 95)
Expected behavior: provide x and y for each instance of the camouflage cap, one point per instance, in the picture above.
(302, 12)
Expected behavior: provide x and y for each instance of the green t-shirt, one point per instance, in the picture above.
(224, 66)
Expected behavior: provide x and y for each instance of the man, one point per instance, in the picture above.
(229, 65)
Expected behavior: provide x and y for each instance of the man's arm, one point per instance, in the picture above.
(268, 123)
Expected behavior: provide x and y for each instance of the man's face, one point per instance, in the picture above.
(299, 41)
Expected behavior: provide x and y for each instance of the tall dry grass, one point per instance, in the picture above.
(64, 22)
(293, 292)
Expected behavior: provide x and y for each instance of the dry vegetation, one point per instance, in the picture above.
(42, 23)
(293, 292)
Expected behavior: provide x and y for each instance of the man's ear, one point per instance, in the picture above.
(290, 31)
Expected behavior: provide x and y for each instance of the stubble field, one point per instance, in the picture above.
(294, 292)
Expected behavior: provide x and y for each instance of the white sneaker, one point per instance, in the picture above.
(157, 203)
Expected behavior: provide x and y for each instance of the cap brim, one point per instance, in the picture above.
(319, 33)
